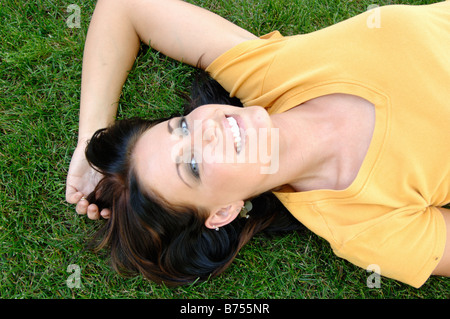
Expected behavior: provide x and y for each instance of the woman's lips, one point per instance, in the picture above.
(234, 125)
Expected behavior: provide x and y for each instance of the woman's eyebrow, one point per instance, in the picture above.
(179, 175)
(169, 128)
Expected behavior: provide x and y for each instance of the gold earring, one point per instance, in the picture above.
(246, 209)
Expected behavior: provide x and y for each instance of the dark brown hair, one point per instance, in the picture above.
(148, 236)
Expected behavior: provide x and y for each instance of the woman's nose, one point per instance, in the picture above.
(210, 131)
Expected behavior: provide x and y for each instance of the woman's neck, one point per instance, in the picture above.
(323, 142)
(307, 148)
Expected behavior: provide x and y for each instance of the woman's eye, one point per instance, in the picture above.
(193, 165)
(194, 168)
(184, 126)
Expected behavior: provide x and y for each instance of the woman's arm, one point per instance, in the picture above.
(180, 30)
(443, 268)
(183, 31)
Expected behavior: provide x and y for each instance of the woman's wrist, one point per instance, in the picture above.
(83, 140)
(93, 117)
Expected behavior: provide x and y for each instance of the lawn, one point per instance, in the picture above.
(42, 239)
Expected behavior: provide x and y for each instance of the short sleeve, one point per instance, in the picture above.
(242, 69)
(406, 246)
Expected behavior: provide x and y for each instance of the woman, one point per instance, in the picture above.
(328, 115)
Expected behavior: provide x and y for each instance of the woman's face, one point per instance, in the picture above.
(209, 159)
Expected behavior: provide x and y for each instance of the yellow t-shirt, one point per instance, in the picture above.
(398, 58)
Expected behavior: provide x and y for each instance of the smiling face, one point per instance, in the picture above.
(210, 159)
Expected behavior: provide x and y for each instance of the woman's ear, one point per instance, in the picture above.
(222, 216)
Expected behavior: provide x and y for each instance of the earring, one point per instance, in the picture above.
(246, 209)
(217, 228)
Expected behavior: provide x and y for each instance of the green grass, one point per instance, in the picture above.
(41, 235)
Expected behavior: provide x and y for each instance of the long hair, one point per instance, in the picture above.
(146, 235)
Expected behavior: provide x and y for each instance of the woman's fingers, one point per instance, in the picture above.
(91, 210)
(72, 195)
(82, 206)
(105, 213)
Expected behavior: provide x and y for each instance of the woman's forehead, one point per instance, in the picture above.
(154, 164)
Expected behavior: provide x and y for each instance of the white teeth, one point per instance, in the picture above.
(236, 133)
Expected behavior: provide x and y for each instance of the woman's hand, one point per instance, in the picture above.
(178, 29)
(81, 181)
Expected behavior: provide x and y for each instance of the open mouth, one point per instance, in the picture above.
(236, 133)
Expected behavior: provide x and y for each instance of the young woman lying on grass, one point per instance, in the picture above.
(347, 127)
